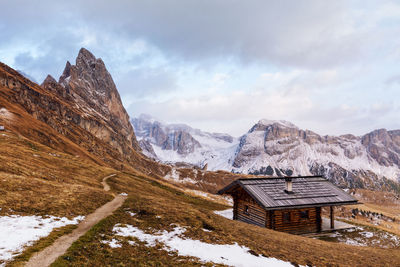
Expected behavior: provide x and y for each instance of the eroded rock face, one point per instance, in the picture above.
(147, 149)
(182, 143)
(166, 137)
(383, 146)
(279, 148)
(92, 88)
(95, 128)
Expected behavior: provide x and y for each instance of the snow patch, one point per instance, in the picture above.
(112, 243)
(225, 213)
(5, 114)
(132, 214)
(233, 255)
(173, 175)
(362, 237)
(281, 122)
(17, 232)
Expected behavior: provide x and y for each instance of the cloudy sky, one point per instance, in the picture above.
(221, 65)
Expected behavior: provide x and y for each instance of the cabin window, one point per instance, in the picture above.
(246, 209)
(304, 214)
(286, 216)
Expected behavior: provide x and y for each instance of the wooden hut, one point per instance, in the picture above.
(288, 204)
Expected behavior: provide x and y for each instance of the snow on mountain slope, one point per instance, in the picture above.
(280, 148)
(181, 143)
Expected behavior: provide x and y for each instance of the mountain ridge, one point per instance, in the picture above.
(277, 148)
(96, 128)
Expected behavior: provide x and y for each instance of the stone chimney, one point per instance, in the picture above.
(288, 185)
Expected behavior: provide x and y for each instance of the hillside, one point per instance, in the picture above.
(69, 123)
(63, 185)
(279, 148)
(54, 154)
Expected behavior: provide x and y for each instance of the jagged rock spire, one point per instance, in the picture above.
(85, 59)
(49, 79)
(91, 86)
(66, 72)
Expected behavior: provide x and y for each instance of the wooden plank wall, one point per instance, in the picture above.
(274, 219)
(255, 215)
(296, 225)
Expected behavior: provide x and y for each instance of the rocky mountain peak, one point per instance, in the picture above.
(279, 123)
(179, 142)
(90, 80)
(85, 59)
(51, 84)
(379, 135)
(383, 146)
(66, 72)
(90, 86)
(277, 129)
(49, 79)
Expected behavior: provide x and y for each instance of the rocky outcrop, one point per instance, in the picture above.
(280, 148)
(91, 86)
(383, 146)
(147, 149)
(165, 137)
(181, 143)
(95, 128)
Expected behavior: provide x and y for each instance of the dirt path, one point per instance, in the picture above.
(60, 246)
(104, 182)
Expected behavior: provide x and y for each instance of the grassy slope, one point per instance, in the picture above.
(36, 179)
(386, 203)
(158, 207)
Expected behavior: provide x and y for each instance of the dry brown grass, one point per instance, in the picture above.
(35, 179)
(159, 207)
(386, 203)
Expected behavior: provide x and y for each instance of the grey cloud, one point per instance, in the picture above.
(54, 51)
(300, 33)
(146, 82)
(305, 33)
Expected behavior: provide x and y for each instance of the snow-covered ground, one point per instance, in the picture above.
(225, 213)
(226, 199)
(364, 237)
(174, 176)
(17, 232)
(233, 255)
(112, 243)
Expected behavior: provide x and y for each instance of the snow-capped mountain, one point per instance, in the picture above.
(278, 148)
(181, 143)
(281, 148)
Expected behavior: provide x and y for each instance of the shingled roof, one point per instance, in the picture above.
(308, 191)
